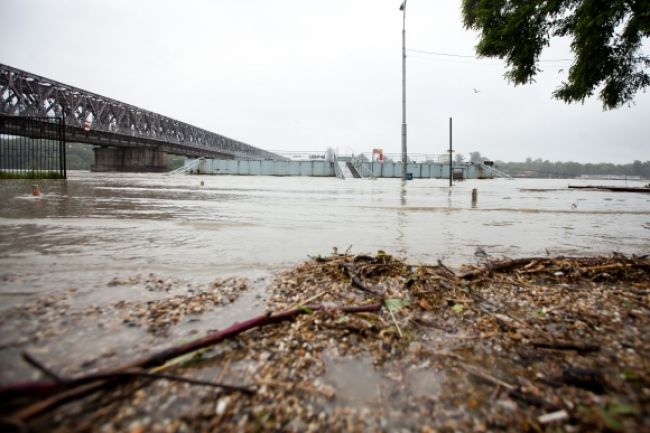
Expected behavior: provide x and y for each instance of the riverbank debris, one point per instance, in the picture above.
(372, 343)
(645, 189)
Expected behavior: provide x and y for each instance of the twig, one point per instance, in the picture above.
(186, 358)
(498, 266)
(313, 298)
(223, 371)
(443, 266)
(42, 368)
(473, 337)
(531, 399)
(364, 258)
(607, 267)
(81, 388)
(151, 375)
(513, 391)
(566, 345)
(356, 281)
(479, 372)
(499, 312)
(392, 316)
(303, 386)
(181, 379)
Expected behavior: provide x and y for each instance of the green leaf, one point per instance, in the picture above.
(458, 308)
(621, 409)
(610, 421)
(395, 304)
(628, 375)
(610, 415)
(187, 359)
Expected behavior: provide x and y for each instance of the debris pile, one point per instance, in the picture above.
(372, 343)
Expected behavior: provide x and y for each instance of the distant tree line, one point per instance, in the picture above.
(545, 168)
(79, 156)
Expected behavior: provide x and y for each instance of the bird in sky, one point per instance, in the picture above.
(476, 90)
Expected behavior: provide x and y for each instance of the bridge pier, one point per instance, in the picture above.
(138, 159)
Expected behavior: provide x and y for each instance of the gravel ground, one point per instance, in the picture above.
(538, 344)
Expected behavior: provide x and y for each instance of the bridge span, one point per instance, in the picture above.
(129, 138)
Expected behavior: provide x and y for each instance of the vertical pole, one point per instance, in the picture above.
(451, 150)
(60, 140)
(404, 158)
(34, 145)
(40, 152)
(65, 170)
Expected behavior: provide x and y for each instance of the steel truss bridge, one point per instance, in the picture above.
(95, 119)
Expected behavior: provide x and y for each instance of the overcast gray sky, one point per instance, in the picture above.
(308, 74)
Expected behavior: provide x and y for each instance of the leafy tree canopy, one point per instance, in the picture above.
(607, 38)
(477, 158)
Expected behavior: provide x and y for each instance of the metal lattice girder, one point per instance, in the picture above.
(111, 122)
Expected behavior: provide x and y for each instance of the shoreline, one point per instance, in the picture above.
(527, 343)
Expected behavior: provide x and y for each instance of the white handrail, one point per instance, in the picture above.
(496, 172)
(188, 166)
(365, 171)
(337, 167)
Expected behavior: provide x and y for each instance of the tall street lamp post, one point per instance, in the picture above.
(404, 158)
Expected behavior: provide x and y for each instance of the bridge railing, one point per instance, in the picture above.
(25, 94)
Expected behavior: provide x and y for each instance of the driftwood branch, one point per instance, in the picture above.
(585, 265)
(128, 374)
(356, 281)
(499, 266)
(61, 393)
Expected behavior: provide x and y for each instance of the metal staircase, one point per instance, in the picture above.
(189, 166)
(362, 170)
(353, 170)
(495, 172)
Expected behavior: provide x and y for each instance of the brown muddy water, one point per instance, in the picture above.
(96, 228)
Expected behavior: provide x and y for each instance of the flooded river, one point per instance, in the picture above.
(94, 227)
(83, 266)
